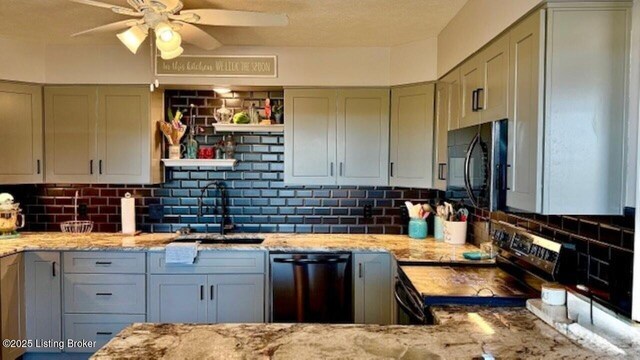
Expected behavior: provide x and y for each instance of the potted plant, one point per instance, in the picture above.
(278, 112)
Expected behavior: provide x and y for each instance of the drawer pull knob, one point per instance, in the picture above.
(104, 294)
(103, 262)
(104, 333)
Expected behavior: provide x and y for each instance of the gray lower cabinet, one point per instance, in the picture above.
(411, 129)
(43, 298)
(221, 298)
(373, 288)
(94, 329)
(12, 314)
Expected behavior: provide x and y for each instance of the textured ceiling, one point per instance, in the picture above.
(312, 22)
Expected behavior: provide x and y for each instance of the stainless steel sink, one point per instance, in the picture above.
(219, 239)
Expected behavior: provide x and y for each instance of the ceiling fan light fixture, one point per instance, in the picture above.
(171, 45)
(133, 37)
(164, 32)
(168, 55)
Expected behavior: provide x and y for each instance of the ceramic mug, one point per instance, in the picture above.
(553, 294)
(455, 232)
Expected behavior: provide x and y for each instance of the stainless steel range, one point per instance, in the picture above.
(524, 262)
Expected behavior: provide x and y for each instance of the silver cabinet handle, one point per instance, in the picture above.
(331, 168)
(360, 270)
(340, 168)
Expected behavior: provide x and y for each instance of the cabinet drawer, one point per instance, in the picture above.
(95, 327)
(104, 262)
(104, 293)
(212, 262)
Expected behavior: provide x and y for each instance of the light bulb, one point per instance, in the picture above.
(164, 32)
(222, 90)
(170, 45)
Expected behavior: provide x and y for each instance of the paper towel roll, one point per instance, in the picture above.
(128, 213)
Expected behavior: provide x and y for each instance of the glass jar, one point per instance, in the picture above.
(229, 147)
(418, 228)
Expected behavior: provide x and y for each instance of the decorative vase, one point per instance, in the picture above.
(175, 152)
(192, 148)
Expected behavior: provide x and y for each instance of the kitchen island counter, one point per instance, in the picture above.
(402, 247)
(505, 333)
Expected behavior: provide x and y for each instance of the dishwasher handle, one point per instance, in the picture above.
(336, 260)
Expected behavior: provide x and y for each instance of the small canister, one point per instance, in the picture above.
(438, 228)
(418, 228)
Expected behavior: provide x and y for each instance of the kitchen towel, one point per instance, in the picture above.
(128, 213)
(181, 253)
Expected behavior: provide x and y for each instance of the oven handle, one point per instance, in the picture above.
(467, 169)
(335, 260)
(416, 314)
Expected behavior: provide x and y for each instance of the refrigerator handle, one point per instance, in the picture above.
(467, 169)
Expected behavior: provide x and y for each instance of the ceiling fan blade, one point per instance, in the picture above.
(216, 17)
(109, 27)
(115, 8)
(198, 37)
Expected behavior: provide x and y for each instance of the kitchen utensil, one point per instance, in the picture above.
(76, 226)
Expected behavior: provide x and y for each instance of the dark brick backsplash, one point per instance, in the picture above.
(597, 250)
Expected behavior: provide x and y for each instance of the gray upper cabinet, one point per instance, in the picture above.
(470, 81)
(411, 129)
(567, 121)
(43, 298)
(493, 95)
(363, 137)
(372, 288)
(440, 138)
(70, 134)
(525, 117)
(102, 134)
(21, 138)
(336, 136)
(12, 314)
(310, 136)
(453, 82)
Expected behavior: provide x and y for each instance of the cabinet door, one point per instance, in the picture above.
(412, 136)
(70, 134)
(494, 94)
(455, 96)
(524, 149)
(310, 137)
(440, 138)
(43, 297)
(470, 81)
(124, 138)
(12, 316)
(372, 288)
(21, 136)
(363, 137)
(177, 298)
(236, 298)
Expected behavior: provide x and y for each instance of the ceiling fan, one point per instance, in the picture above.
(171, 25)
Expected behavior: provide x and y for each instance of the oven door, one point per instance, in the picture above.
(410, 306)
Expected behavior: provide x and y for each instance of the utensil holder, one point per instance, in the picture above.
(455, 232)
(417, 228)
(175, 152)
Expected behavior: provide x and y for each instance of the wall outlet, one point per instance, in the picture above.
(368, 211)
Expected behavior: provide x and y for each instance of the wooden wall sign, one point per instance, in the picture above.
(218, 66)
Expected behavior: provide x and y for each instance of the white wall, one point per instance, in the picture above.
(414, 62)
(474, 25)
(22, 60)
(634, 106)
(297, 66)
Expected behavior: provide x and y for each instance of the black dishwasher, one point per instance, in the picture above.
(311, 287)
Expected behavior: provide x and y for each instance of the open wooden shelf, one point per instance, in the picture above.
(218, 163)
(248, 128)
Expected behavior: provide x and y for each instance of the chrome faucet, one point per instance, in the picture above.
(222, 191)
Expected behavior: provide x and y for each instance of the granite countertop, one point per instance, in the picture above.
(461, 333)
(465, 281)
(402, 247)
